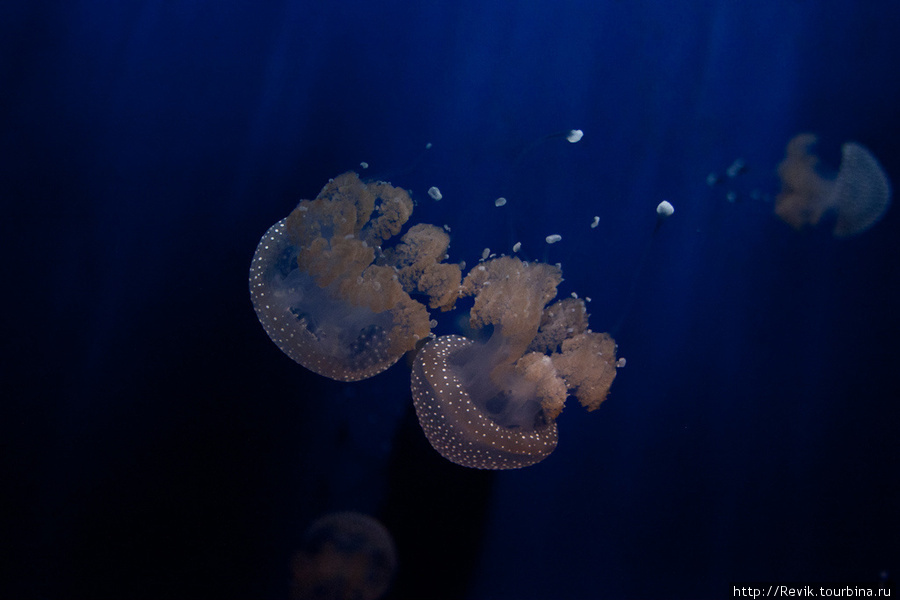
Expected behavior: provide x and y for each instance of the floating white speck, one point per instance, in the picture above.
(500, 201)
(447, 228)
(428, 146)
(364, 165)
(595, 222)
(731, 196)
(587, 298)
(434, 193)
(665, 209)
(712, 179)
(574, 295)
(620, 363)
(485, 253)
(517, 246)
(552, 239)
(574, 135)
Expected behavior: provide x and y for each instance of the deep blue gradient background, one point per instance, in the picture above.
(160, 446)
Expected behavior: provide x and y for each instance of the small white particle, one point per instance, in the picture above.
(665, 209)
(434, 193)
(364, 165)
(574, 136)
(500, 201)
(552, 239)
(517, 246)
(595, 222)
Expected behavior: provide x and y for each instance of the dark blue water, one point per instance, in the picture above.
(160, 446)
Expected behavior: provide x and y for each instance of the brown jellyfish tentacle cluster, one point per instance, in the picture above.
(493, 405)
(338, 293)
(858, 196)
(418, 259)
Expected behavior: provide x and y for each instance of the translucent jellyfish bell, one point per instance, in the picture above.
(454, 398)
(857, 197)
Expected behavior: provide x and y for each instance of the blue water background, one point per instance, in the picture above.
(162, 446)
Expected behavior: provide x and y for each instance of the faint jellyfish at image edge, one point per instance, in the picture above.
(856, 197)
(344, 556)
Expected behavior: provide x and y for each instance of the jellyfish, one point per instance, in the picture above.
(328, 295)
(494, 404)
(345, 556)
(856, 197)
